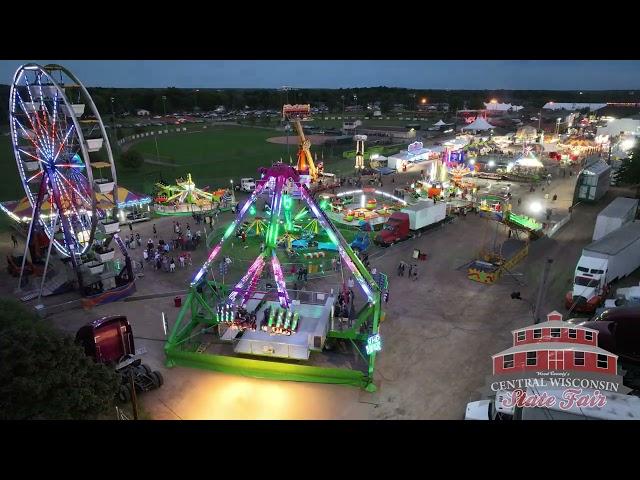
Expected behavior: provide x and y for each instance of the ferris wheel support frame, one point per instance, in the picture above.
(86, 98)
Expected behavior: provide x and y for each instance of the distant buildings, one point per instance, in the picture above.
(433, 107)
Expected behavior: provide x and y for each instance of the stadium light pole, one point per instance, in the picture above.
(164, 104)
(113, 120)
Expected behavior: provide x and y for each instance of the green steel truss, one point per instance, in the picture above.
(198, 316)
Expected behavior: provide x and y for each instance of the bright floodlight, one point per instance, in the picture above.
(536, 207)
(472, 162)
(491, 163)
(628, 144)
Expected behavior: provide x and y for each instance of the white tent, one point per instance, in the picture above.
(480, 124)
(502, 107)
(531, 162)
(439, 123)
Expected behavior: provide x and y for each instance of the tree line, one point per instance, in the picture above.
(183, 99)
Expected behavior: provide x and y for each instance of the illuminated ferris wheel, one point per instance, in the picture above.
(59, 145)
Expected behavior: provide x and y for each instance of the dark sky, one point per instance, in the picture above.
(435, 74)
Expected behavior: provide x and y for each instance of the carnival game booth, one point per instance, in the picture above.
(525, 169)
(492, 206)
(418, 156)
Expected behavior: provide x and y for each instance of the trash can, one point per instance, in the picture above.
(177, 301)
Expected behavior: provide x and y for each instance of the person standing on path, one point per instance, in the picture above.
(131, 226)
(155, 232)
(14, 240)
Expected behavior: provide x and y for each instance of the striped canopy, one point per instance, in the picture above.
(22, 208)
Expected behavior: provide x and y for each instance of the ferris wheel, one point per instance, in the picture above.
(59, 147)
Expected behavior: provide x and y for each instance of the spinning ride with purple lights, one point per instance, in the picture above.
(245, 314)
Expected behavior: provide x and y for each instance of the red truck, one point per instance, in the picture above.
(109, 340)
(410, 221)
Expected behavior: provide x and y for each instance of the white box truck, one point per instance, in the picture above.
(604, 261)
(618, 213)
(410, 221)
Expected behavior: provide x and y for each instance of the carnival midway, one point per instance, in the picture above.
(358, 258)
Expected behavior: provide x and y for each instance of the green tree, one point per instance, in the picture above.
(44, 375)
(629, 171)
(131, 159)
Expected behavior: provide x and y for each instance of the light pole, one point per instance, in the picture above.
(113, 120)
(343, 109)
(558, 126)
(287, 127)
(196, 99)
(164, 104)
(540, 119)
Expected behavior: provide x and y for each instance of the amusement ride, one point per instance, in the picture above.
(64, 160)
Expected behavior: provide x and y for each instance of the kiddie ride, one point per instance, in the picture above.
(362, 208)
(491, 264)
(109, 340)
(229, 328)
(184, 198)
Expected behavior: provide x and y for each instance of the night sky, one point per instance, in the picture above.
(432, 74)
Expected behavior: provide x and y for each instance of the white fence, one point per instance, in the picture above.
(138, 136)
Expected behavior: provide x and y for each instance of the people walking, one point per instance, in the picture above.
(155, 232)
(14, 240)
(172, 265)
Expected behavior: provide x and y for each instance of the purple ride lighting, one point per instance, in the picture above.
(283, 296)
(227, 234)
(253, 270)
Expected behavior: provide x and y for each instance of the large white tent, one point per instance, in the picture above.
(480, 124)
(440, 123)
(502, 107)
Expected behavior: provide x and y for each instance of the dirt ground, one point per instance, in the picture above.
(439, 334)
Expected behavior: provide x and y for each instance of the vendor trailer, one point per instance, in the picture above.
(618, 213)
(411, 221)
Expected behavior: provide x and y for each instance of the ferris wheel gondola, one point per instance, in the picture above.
(57, 143)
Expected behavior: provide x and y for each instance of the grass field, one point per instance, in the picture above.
(213, 156)
(216, 155)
